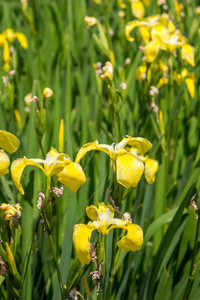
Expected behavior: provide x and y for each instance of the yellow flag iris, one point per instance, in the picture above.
(69, 173)
(188, 78)
(103, 221)
(10, 144)
(8, 36)
(128, 165)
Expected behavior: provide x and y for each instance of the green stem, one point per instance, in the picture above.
(41, 147)
(115, 257)
(101, 257)
(47, 196)
(47, 193)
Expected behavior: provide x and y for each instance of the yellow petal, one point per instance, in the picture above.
(8, 141)
(147, 2)
(137, 9)
(47, 92)
(11, 261)
(72, 176)
(9, 34)
(187, 54)
(144, 31)
(190, 85)
(81, 239)
(54, 162)
(6, 51)
(93, 212)
(4, 163)
(129, 27)
(162, 81)
(129, 170)
(84, 149)
(140, 73)
(22, 39)
(150, 170)
(17, 168)
(121, 3)
(151, 50)
(133, 240)
(141, 144)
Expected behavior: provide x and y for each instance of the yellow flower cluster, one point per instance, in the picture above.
(129, 165)
(159, 33)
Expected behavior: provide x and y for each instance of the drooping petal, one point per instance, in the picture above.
(190, 85)
(161, 82)
(17, 168)
(72, 176)
(141, 144)
(6, 51)
(140, 73)
(129, 170)
(4, 163)
(8, 141)
(137, 9)
(22, 39)
(187, 54)
(81, 238)
(151, 50)
(84, 149)
(145, 34)
(150, 170)
(129, 27)
(133, 240)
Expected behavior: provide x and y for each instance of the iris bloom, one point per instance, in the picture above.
(10, 144)
(163, 38)
(145, 25)
(188, 78)
(8, 36)
(103, 221)
(69, 173)
(128, 166)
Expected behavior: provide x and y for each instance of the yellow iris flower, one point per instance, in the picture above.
(8, 36)
(128, 166)
(103, 221)
(188, 78)
(145, 25)
(10, 144)
(69, 173)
